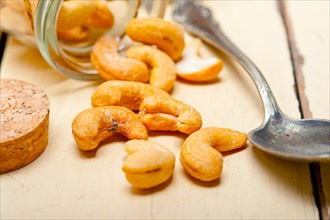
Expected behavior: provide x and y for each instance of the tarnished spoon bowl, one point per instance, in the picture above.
(279, 135)
(293, 139)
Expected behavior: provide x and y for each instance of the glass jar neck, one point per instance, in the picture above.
(73, 61)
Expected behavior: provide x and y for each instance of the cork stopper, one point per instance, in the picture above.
(24, 112)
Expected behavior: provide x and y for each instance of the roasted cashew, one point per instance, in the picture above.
(165, 35)
(147, 164)
(74, 13)
(158, 110)
(102, 16)
(162, 74)
(110, 65)
(161, 113)
(193, 68)
(94, 125)
(75, 34)
(200, 153)
(123, 93)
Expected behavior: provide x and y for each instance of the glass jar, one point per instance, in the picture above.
(34, 23)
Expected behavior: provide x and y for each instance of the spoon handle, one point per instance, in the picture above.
(199, 21)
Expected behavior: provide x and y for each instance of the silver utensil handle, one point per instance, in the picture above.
(199, 21)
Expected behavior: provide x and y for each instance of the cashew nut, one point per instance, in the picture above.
(110, 65)
(165, 35)
(192, 68)
(147, 164)
(74, 13)
(160, 113)
(75, 34)
(94, 125)
(157, 109)
(102, 16)
(123, 93)
(162, 73)
(200, 153)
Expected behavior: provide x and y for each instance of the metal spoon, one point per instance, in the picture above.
(279, 135)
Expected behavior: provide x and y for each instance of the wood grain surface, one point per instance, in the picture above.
(69, 184)
(313, 44)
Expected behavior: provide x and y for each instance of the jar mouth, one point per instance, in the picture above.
(73, 59)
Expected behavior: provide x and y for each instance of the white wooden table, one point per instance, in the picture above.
(64, 183)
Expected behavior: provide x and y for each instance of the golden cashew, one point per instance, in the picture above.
(158, 110)
(162, 113)
(102, 17)
(123, 93)
(74, 13)
(192, 68)
(147, 164)
(110, 65)
(200, 153)
(165, 35)
(162, 73)
(75, 34)
(94, 125)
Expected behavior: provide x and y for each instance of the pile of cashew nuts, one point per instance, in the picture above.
(135, 99)
(78, 18)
